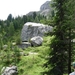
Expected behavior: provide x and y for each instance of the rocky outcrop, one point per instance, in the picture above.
(12, 70)
(36, 41)
(44, 6)
(45, 9)
(24, 45)
(31, 30)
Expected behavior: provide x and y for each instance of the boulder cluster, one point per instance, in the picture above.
(32, 34)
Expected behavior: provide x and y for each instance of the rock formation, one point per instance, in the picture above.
(24, 45)
(31, 30)
(45, 9)
(11, 70)
(36, 41)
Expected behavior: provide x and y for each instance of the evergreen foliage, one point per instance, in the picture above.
(10, 32)
(58, 59)
(61, 45)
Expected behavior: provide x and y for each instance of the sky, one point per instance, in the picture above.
(18, 7)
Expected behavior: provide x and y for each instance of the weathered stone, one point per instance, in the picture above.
(24, 45)
(12, 70)
(45, 9)
(31, 30)
(46, 5)
(36, 41)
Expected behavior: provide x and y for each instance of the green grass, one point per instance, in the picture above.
(31, 64)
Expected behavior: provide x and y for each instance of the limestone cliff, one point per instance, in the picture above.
(45, 9)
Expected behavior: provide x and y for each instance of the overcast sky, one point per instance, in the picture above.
(18, 7)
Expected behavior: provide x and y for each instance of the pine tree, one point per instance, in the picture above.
(16, 55)
(71, 17)
(9, 18)
(11, 29)
(62, 46)
(61, 43)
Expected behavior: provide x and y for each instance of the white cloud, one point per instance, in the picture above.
(18, 7)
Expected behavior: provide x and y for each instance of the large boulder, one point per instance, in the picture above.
(11, 70)
(31, 29)
(36, 41)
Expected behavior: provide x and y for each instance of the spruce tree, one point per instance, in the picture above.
(71, 17)
(60, 43)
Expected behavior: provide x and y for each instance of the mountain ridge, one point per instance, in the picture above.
(45, 9)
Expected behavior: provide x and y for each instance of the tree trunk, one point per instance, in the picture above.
(69, 59)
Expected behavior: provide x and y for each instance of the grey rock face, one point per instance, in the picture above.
(34, 29)
(45, 9)
(24, 45)
(9, 70)
(36, 41)
(44, 6)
